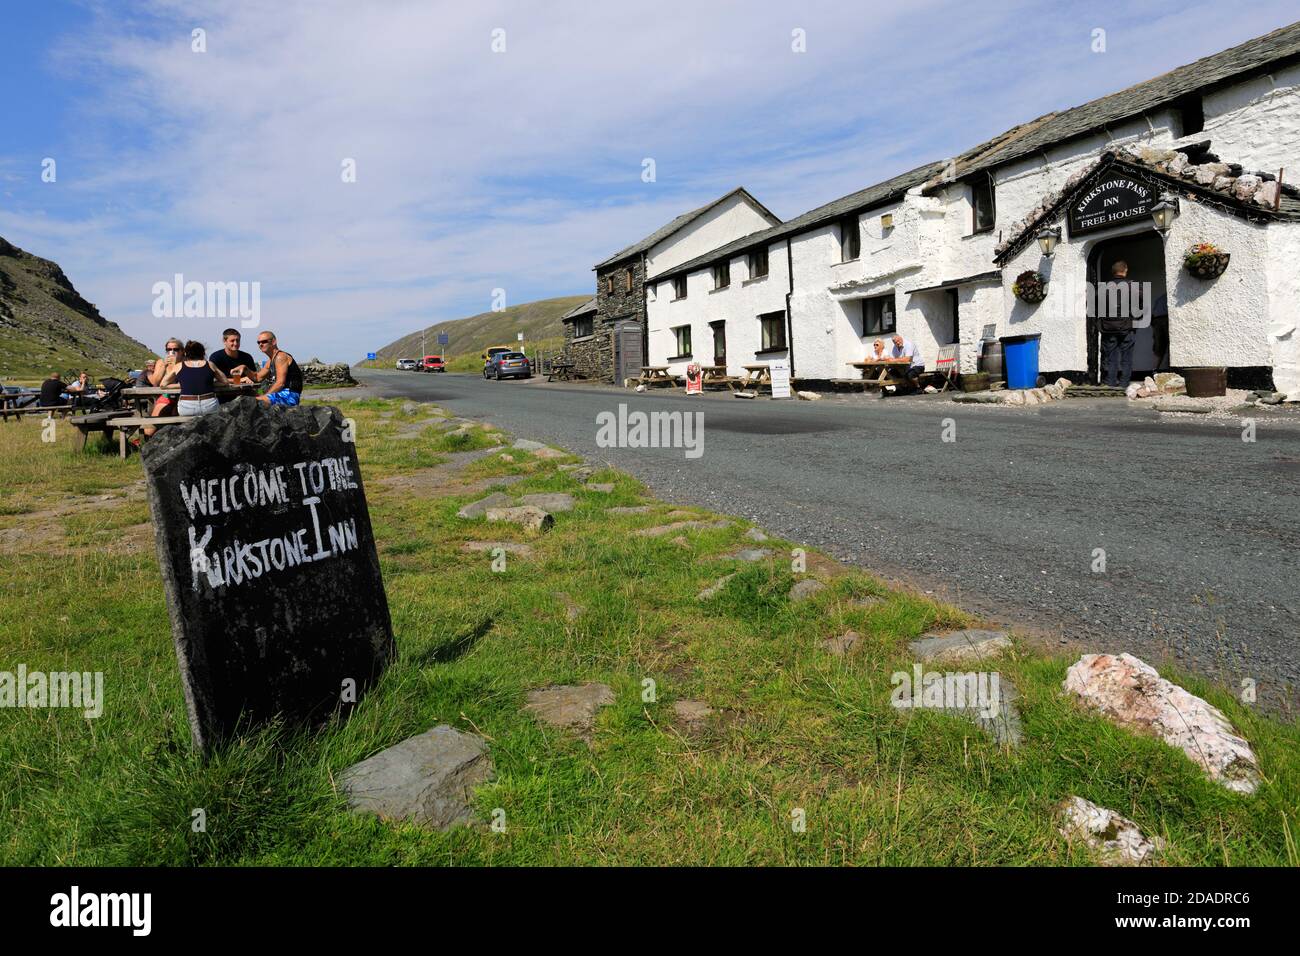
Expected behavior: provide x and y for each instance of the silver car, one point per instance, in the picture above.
(407, 365)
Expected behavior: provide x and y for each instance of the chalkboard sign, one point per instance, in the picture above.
(1111, 199)
(269, 566)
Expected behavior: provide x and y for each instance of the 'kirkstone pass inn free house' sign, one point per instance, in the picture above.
(1113, 200)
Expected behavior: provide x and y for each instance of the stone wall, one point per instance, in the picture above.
(318, 373)
(592, 355)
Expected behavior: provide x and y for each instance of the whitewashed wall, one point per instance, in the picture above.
(1284, 306)
(724, 223)
(1257, 123)
(739, 305)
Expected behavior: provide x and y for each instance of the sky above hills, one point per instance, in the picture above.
(512, 168)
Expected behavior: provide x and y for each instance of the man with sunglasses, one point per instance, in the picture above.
(286, 389)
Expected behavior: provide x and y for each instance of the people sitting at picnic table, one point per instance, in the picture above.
(229, 358)
(198, 379)
(161, 373)
(905, 351)
(286, 388)
(83, 391)
(52, 391)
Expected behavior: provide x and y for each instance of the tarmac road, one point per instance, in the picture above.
(1200, 530)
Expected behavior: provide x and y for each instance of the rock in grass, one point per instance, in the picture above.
(714, 589)
(571, 611)
(968, 645)
(1132, 694)
(663, 529)
(428, 779)
(805, 589)
(839, 646)
(550, 453)
(527, 517)
(509, 547)
(551, 501)
(754, 534)
(1113, 839)
(478, 508)
(631, 510)
(523, 444)
(569, 707)
(604, 487)
(692, 713)
(748, 554)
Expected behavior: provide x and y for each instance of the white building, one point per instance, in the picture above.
(926, 253)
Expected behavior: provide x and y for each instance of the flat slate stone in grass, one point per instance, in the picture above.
(754, 534)
(524, 444)
(550, 453)
(839, 646)
(569, 707)
(526, 516)
(968, 645)
(478, 508)
(630, 510)
(551, 501)
(663, 529)
(692, 714)
(714, 589)
(748, 554)
(510, 547)
(428, 779)
(805, 589)
(269, 566)
(604, 487)
(988, 700)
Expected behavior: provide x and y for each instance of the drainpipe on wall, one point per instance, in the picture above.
(789, 319)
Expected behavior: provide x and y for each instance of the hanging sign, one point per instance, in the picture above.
(1111, 199)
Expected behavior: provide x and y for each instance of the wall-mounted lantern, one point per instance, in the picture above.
(1164, 213)
(1048, 237)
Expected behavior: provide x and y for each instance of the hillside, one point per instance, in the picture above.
(539, 321)
(46, 326)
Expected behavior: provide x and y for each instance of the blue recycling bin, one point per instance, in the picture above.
(1020, 357)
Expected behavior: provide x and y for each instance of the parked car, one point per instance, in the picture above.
(407, 365)
(509, 365)
(490, 354)
(434, 363)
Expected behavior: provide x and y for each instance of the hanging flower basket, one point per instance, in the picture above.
(1205, 260)
(1030, 287)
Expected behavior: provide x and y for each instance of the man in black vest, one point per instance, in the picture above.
(1116, 324)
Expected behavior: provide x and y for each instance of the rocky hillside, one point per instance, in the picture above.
(539, 321)
(46, 326)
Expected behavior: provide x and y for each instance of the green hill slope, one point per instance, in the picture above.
(46, 326)
(539, 321)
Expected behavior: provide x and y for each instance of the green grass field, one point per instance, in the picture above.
(796, 729)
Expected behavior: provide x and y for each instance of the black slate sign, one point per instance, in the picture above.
(1111, 199)
(269, 565)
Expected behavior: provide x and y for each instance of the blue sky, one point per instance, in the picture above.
(479, 170)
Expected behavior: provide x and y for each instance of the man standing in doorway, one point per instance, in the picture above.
(1116, 325)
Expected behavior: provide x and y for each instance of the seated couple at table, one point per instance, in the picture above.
(898, 352)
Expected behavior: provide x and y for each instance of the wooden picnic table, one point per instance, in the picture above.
(561, 370)
(142, 396)
(94, 422)
(888, 373)
(656, 375)
(716, 375)
(49, 410)
(125, 426)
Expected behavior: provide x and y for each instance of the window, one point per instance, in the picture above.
(683, 336)
(758, 263)
(679, 287)
(850, 239)
(773, 325)
(981, 200)
(878, 315)
(1189, 114)
(584, 326)
(627, 284)
(719, 342)
(609, 285)
(722, 275)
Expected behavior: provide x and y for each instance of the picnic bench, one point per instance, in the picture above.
(716, 375)
(884, 375)
(560, 370)
(656, 375)
(143, 396)
(19, 411)
(94, 422)
(125, 426)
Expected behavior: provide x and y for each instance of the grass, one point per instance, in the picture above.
(797, 729)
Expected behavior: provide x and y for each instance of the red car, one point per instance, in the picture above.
(433, 363)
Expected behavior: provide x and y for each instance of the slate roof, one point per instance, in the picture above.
(684, 219)
(877, 195)
(1253, 56)
(583, 309)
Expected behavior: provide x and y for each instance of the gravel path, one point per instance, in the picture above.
(1200, 530)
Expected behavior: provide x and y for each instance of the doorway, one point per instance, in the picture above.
(719, 343)
(628, 357)
(1145, 255)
